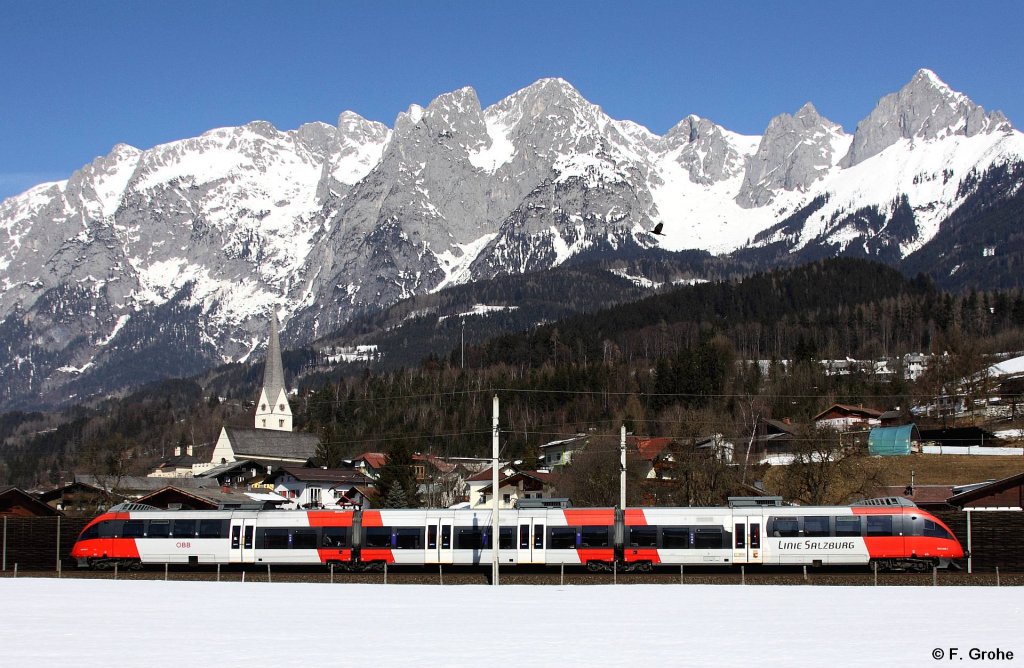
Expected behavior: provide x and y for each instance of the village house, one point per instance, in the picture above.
(513, 485)
(842, 417)
(15, 502)
(557, 454)
(310, 487)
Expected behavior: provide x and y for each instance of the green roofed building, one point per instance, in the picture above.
(888, 441)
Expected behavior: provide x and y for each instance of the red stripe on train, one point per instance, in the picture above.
(642, 554)
(331, 518)
(590, 517)
(377, 554)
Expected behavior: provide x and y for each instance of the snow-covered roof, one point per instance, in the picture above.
(1008, 367)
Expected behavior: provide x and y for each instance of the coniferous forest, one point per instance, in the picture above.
(685, 363)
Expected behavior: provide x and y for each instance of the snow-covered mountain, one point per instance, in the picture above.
(157, 262)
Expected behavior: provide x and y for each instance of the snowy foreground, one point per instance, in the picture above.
(103, 623)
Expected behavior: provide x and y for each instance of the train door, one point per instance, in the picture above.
(746, 539)
(243, 537)
(445, 554)
(530, 540)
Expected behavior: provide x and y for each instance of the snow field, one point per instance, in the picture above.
(102, 623)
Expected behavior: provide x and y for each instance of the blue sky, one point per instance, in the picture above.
(79, 77)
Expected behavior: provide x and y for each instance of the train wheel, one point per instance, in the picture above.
(594, 566)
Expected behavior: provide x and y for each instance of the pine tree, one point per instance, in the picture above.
(397, 482)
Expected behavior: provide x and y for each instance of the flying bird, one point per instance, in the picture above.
(657, 229)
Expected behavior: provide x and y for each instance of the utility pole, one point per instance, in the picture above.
(495, 539)
(622, 467)
(463, 343)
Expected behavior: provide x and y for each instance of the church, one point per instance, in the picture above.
(270, 442)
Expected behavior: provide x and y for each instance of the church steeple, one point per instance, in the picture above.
(272, 409)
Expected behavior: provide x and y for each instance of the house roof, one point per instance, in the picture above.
(565, 441)
(778, 426)
(650, 448)
(271, 445)
(142, 483)
(849, 410)
(987, 489)
(331, 476)
(922, 495)
(961, 436)
(215, 497)
(485, 475)
(70, 488)
(540, 476)
(13, 495)
(229, 467)
(438, 463)
(374, 460)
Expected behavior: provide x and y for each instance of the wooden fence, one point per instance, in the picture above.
(36, 543)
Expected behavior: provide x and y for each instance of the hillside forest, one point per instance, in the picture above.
(684, 363)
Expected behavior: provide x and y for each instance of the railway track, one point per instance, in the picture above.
(548, 576)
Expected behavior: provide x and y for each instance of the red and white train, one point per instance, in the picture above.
(893, 533)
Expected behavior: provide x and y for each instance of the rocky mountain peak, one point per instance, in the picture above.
(925, 108)
(704, 149)
(794, 152)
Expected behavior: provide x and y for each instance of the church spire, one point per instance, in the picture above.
(272, 409)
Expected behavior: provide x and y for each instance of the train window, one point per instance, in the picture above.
(304, 539)
(561, 538)
(377, 537)
(785, 527)
(675, 538)
(755, 535)
(847, 525)
(469, 538)
(598, 536)
(446, 536)
(212, 528)
(880, 525)
(741, 531)
(816, 525)
(524, 537)
(506, 538)
(335, 537)
(708, 538)
(184, 528)
(538, 536)
(91, 532)
(643, 536)
(432, 537)
(132, 529)
(235, 534)
(935, 530)
(409, 538)
(158, 529)
(274, 539)
(247, 543)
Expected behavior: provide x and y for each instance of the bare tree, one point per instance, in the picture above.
(824, 471)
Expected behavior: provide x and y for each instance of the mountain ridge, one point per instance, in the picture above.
(323, 222)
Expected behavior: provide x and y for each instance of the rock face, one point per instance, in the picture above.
(190, 246)
(925, 108)
(703, 149)
(795, 152)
